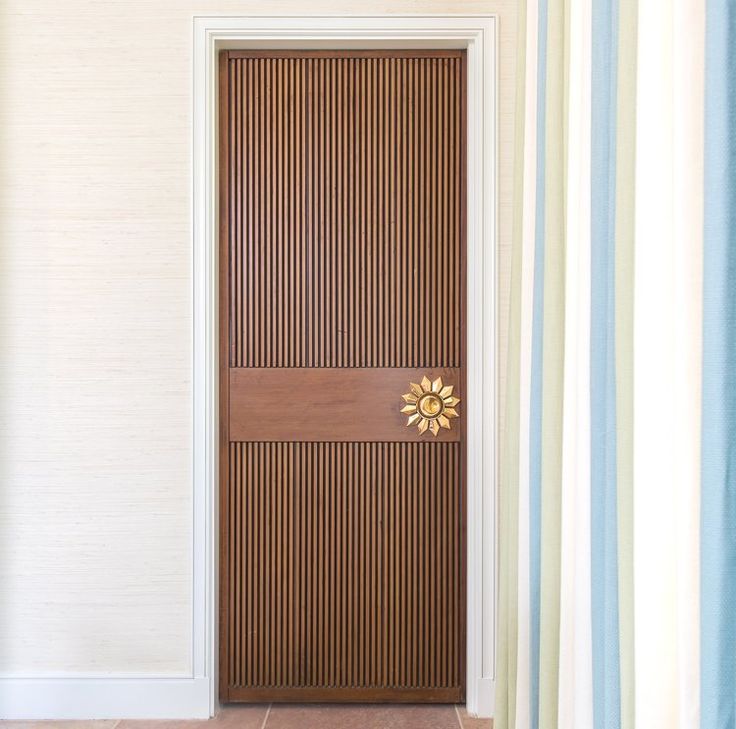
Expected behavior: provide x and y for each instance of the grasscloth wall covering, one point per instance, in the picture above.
(95, 323)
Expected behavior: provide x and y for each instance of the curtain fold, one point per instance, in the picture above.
(618, 483)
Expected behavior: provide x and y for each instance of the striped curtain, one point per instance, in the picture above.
(618, 479)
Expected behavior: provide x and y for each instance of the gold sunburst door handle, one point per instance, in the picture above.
(430, 405)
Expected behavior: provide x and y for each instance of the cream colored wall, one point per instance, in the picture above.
(95, 323)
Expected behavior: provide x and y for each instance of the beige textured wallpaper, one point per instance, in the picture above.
(95, 323)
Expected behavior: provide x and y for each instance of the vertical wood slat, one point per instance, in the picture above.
(343, 564)
(351, 505)
(346, 211)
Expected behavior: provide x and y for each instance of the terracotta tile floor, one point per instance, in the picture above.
(283, 716)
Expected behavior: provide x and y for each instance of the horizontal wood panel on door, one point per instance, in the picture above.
(330, 404)
(342, 280)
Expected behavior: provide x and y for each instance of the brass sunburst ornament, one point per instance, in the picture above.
(430, 405)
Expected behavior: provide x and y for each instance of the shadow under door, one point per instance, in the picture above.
(342, 372)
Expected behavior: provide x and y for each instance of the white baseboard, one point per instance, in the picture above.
(104, 698)
(486, 697)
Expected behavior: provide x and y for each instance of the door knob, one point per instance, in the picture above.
(430, 405)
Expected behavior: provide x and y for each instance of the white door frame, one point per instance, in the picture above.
(477, 34)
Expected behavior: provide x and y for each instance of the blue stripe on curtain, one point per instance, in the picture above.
(718, 499)
(604, 531)
(535, 410)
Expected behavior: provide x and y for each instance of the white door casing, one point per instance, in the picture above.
(478, 35)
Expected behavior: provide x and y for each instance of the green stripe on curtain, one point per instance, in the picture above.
(506, 664)
(552, 366)
(624, 314)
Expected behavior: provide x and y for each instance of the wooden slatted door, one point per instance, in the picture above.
(342, 525)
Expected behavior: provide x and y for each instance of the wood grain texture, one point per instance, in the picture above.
(342, 212)
(337, 404)
(345, 567)
(346, 208)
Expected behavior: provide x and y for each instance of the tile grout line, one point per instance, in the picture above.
(265, 718)
(459, 718)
